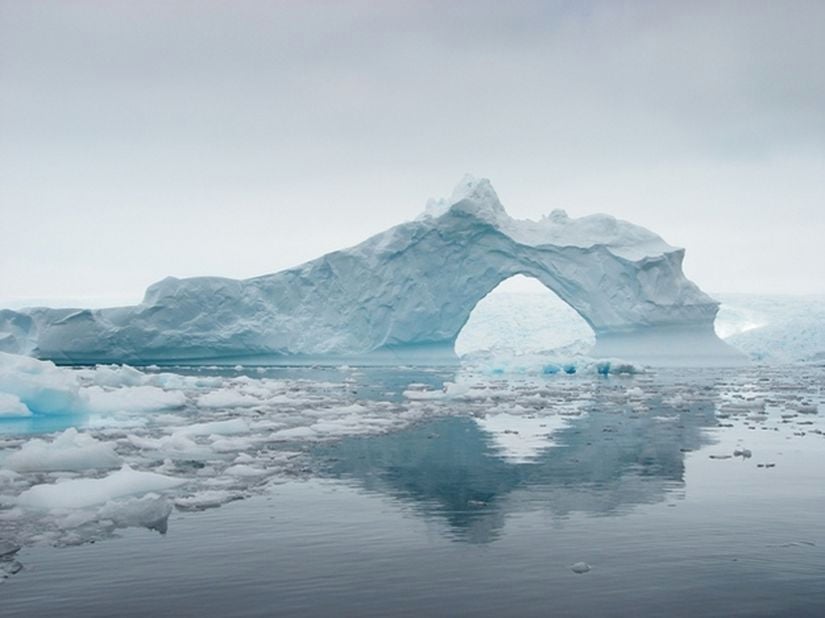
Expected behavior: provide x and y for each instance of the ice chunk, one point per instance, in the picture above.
(226, 398)
(79, 493)
(295, 433)
(10, 405)
(132, 399)
(118, 375)
(41, 386)
(70, 450)
(208, 499)
(222, 428)
(176, 445)
(244, 470)
(450, 390)
(149, 511)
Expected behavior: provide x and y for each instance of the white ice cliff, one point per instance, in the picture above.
(406, 292)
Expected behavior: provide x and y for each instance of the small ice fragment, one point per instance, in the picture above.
(580, 568)
(8, 549)
(635, 392)
(149, 511)
(244, 470)
(227, 398)
(132, 399)
(206, 500)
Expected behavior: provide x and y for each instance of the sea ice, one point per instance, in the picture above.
(79, 493)
(148, 511)
(70, 451)
(227, 398)
(41, 386)
(143, 398)
(197, 456)
(10, 405)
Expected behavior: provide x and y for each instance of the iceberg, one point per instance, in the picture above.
(404, 294)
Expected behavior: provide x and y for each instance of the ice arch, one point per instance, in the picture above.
(522, 315)
(406, 292)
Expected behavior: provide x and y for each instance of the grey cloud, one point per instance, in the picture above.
(242, 126)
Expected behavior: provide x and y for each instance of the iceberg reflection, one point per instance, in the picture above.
(474, 471)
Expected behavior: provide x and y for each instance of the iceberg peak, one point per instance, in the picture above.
(476, 196)
(558, 216)
(472, 195)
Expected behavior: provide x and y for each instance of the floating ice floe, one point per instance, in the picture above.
(79, 493)
(69, 451)
(40, 386)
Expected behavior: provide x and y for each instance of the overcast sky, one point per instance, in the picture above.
(143, 139)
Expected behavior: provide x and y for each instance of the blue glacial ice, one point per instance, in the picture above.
(405, 293)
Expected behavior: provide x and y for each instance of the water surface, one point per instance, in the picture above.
(686, 493)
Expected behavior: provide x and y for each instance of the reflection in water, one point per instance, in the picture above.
(599, 456)
(520, 439)
(554, 469)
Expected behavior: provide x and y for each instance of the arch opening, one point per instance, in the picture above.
(522, 315)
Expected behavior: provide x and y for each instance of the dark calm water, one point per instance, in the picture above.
(438, 519)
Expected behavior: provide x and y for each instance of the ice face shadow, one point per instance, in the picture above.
(471, 472)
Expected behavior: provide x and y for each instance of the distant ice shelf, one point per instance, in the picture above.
(401, 296)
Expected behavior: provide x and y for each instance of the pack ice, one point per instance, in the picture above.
(402, 294)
